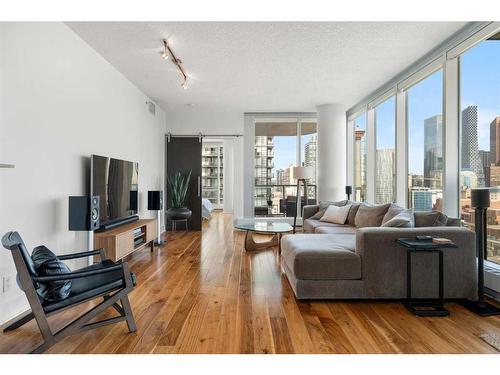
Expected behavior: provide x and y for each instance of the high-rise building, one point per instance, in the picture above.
(433, 151)
(263, 164)
(495, 141)
(359, 165)
(310, 155)
(279, 176)
(384, 179)
(494, 176)
(212, 173)
(484, 156)
(470, 147)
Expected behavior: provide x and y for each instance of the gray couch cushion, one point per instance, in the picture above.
(393, 211)
(430, 219)
(324, 205)
(310, 225)
(370, 216)
(337, 229)
(402, 220)
(321, 256)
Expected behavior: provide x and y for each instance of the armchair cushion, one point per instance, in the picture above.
(85, 288)
(46, 263)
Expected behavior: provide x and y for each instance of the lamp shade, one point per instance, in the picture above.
(302, 173)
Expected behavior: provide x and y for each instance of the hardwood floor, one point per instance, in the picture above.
(204, 294)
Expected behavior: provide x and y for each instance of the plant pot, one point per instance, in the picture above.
(182, 213)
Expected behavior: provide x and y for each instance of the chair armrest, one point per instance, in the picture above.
(78, 274)
(309, 210)
(84, 254)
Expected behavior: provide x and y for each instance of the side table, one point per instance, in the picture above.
(424, 307)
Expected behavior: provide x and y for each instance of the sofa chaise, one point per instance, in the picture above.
(349, 261)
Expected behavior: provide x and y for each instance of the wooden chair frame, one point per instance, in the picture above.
(80, 324)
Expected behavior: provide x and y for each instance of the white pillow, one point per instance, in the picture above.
(335, 214)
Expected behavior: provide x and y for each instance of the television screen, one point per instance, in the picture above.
(115, 181)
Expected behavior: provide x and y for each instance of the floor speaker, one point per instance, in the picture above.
(83, 213)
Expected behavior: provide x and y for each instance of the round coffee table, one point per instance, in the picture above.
(266, 228)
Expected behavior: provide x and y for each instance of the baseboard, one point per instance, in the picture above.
(492, 294)
(14, 319)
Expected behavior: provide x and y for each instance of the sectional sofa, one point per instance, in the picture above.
(361, 259)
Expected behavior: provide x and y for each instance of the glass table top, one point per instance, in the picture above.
(266, 227)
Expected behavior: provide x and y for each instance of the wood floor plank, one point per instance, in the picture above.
(202, 292)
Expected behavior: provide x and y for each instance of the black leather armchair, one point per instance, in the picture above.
(107, 279)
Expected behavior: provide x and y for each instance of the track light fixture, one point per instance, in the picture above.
(166, 53)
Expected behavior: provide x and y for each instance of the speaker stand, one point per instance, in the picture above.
(480, 308)
(481, 202)
(158, 241)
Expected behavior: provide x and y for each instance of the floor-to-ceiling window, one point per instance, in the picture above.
(385, 151)
(480, 134)
(360, 158)
(212, 173)
(281, 144)
(425, 143)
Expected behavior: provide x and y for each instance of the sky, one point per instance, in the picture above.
(480, 85)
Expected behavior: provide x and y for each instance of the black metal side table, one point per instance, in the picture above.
(424, 307)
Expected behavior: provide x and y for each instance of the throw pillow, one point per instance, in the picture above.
(393, 211)
(430, 219)
(48, 264)
(352, 212)
(324, 205)
(370, 216)
(402, 220)
(336, 215)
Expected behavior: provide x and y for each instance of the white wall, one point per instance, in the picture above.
(194, 121)
(60, 102)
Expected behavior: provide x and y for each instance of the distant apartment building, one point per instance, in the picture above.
(425, 199)
(263, 164)
(310, 155)
(384, 178)
(495, 141)
(359, 165)
(433, 152)
(212, 172)
(484, 156)
(470, 148)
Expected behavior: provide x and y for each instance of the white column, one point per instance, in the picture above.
(451, 138)
(370, 155)
(401, 151)
(332, 151)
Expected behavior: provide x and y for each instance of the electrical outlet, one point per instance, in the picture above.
(7, 283)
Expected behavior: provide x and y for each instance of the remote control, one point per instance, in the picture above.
(423, 238)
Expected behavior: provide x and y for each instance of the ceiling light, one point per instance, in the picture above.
(166, 53)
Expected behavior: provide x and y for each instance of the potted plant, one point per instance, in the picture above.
(179, 186)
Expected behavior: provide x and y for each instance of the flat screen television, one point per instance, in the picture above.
(115, 181)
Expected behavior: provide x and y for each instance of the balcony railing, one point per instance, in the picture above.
(280, 200)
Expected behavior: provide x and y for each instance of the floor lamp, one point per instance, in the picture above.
(301, 174)
(480, 201)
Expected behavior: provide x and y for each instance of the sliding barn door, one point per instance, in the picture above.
(183, 154)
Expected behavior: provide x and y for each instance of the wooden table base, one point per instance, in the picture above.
(251, 245)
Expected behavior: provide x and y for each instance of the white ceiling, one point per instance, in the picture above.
(263, 66)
